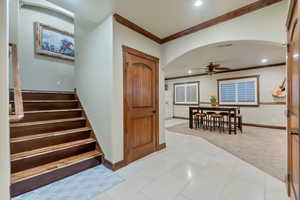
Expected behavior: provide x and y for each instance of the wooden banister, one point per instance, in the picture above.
(18, 99)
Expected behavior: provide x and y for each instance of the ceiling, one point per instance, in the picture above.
(240, 55)
(154, 15)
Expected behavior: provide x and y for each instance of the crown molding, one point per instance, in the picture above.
(223, 18)
(136, 28)
(233, 70)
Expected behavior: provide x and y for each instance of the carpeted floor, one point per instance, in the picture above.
(264, 148)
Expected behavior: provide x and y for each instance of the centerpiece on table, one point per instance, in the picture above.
(213, 101)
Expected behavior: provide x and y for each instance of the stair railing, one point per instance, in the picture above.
(18, 113)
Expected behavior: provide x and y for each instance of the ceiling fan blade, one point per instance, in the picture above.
(199, 68)
(216, 65)
(222, 68)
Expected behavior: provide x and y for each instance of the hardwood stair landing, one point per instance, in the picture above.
(43, 169)
(54, 140)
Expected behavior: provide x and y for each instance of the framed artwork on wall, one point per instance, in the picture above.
(52, 42)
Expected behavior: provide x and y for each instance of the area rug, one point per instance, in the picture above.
(264, 148)
(82, 186)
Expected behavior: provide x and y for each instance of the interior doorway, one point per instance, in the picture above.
(141, 97)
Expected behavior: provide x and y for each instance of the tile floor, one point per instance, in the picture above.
(193, 169)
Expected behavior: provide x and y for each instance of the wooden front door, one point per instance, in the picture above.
(293, 99)
(140, 104)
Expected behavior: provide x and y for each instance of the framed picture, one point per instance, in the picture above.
(53, 42)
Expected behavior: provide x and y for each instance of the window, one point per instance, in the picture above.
(186, 93)
(239, 91)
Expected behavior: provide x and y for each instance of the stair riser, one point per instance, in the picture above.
(18, 147)
(44, 96)
(31, 117)
(37, 160)
(44, 128)
(39, 181)
(30, 106)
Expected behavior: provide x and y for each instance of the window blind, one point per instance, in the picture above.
(180, 94)
(246, 91)
(186, 93)
(240, 91)
(228, 93)
(191, 93)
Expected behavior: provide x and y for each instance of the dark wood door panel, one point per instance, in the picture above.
(142, 131)
(140, 104)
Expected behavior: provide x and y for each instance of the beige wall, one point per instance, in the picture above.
(40, 72)
(94, 77)
(99, 79)
(264, 114)
(4, 128)
(267, 24)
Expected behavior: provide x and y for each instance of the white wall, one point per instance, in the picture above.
(13, 21)
(4, 128)
(127, 37)
(267, 24)
(264, 114)
(41, 72)
(94, 78)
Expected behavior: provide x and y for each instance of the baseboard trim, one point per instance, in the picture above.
(265, 126)
(185, 118)
(161, 146)
(118, 165)
(114, 166)
(247, 124)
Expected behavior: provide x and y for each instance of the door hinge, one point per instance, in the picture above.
(294, 133)
(288, 47)
(289, 113)
(126, 66)
(289, 177)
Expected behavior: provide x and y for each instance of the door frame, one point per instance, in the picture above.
(141, 54)
(290, 29)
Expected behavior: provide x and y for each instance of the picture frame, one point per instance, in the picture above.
(52, 42)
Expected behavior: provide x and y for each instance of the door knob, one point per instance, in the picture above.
(294, 133)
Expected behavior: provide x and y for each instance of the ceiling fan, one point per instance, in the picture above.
(213, 68)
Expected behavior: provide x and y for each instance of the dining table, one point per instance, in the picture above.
(232, 112)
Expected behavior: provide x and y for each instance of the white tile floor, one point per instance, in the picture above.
(193, 169)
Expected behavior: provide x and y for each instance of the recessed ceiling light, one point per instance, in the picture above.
(264, 60)
(190, 71)
(198, 3)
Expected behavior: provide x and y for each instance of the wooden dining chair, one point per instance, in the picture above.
(218, 122)
(201, 119)
(210, 120)
(239, 120)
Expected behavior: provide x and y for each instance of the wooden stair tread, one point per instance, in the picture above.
(48, 101)
(50, 134)
(28, 154)
(43, 169)
(46, 122)
(46, 92)
(51, 111)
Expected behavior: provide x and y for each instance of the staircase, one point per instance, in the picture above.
(54, 140)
